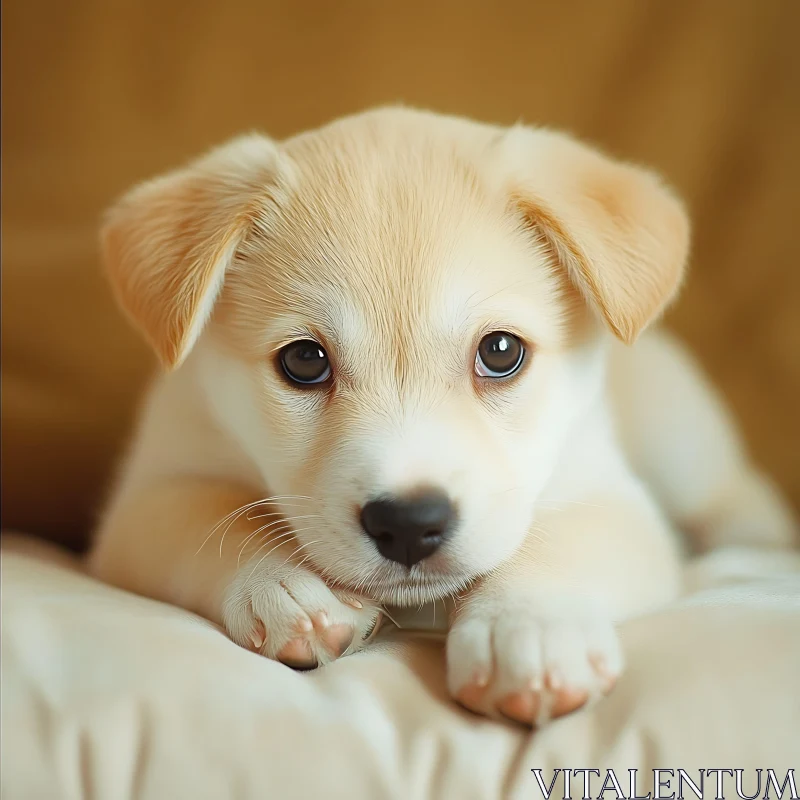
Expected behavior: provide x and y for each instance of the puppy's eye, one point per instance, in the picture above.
(499, 355)
(305, 362)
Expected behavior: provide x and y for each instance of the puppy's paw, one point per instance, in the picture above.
(289, 614)
(530, 661)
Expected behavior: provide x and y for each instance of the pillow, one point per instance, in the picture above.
(106, 694)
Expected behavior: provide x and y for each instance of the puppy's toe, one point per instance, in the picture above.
(474, 695)
(297, 653)
(337, 639)
(567, 700)
(522, 706)
(523, 665)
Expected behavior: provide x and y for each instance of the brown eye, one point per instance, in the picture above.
(499, 355)
(305, 362)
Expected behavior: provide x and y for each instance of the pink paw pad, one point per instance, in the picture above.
(334, 638)
(338, 638)
(520, 706)
(297, 653)
(568, 700)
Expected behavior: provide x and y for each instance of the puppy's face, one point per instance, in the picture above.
(403, 329)
(404, 355)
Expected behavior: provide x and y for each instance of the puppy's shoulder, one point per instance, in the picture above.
(178, 434)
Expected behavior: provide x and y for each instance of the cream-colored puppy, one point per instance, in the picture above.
(387, 346)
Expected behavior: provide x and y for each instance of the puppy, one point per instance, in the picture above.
(391, 376)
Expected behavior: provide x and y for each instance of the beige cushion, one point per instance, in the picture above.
(110, 695)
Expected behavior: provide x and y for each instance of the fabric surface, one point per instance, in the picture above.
(98, 95)
(108, 695)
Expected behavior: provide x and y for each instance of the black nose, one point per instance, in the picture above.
(408, 529)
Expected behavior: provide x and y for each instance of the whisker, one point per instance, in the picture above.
(392, 619)
(284, 536)
(233, 514)
(297, 550)
(274, 513)
(258, 530)
(281, 521)
(300, 564)
(231, 518)
(277, 540)
(254, 534)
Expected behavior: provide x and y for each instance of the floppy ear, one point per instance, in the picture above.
(168, 242)
(622, 237)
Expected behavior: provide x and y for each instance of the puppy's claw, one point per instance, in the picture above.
(320, 622)
(375, 628)
(304, 625)
(609, 682)
(553, 681)
(599, 663)
(258, 636)
(481, 678)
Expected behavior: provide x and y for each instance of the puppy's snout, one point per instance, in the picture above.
(408, 529)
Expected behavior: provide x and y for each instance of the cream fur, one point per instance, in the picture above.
(397, 239)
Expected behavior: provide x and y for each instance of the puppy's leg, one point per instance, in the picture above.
(536, 639)
(682, 441)
(214, 549)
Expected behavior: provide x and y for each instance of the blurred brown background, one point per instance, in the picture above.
(98, 94)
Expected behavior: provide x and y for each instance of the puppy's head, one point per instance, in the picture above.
(399, 317)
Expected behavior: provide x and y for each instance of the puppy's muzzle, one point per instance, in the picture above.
(409, 529)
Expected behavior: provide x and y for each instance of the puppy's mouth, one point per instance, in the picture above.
(390, 583)
(410, 587)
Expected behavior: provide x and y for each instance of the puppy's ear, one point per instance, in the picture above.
(622, 237)
(168, 242)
